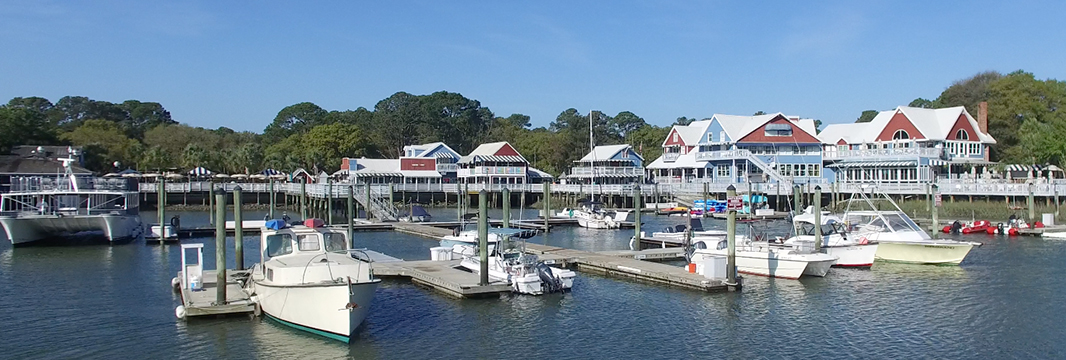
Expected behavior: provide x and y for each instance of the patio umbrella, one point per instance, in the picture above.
(221, 176)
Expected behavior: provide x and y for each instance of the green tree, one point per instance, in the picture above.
(647, 141)
(195, 155)
(684, 121)
(399, 120)
(109, 142)
(968, 92)
(757, 113)
(294, 119)
(24, 126)
(921, 103)
(625, 122)
(866, 116)
(325, 145)
(1024, 116)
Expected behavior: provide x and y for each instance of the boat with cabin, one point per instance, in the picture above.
(311, 280)
(525, 272)
(41, 207)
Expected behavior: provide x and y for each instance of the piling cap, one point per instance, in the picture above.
(731, 187)
(237, 188)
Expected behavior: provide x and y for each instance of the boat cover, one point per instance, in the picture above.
(276, 224)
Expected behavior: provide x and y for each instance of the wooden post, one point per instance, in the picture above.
(329, 201)
(936, 222)
(636, 217)
(162, 209)
(506, 207)
(303, 199)
(731, 239)
(211, 203)
(1032, 205)
(1056, 192)
(366, 205)
(351, 216)
(271, 191)
(796, 204)
(818, 218)
(483, 235)
(238, 227)
(220, 248)
(547, 206)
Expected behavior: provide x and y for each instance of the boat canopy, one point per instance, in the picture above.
(276, 224)
(418, 211)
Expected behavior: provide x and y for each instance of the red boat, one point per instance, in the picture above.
(975, 227)
(1011, 229)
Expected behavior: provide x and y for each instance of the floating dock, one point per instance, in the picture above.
(202, 302)
(610, 263)
(444, 276)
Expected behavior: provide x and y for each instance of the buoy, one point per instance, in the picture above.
(180, 311)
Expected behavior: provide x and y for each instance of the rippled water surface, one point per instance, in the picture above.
(1005, 301)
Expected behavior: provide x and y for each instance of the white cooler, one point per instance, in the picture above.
(440, 253)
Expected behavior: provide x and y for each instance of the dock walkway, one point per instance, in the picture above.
(445, 276)
(202, 302)
(620, 263)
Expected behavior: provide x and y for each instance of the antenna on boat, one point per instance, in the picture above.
(68, 170)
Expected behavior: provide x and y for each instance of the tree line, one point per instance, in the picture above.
(1025, 116)
(143, 136)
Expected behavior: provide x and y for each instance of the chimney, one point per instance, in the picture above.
(982, 117)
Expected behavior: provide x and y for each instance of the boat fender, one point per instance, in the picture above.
(863, 241)
(180, 312)
(175, 283)
(175, 222)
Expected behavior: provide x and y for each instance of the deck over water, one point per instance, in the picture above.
(620, 263)
(202, 302)
(445, 276)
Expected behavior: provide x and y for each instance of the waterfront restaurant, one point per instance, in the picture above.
(498, 163)
(737, 149)
(908, 145)
(446, 159)
(389, 171)
(608, 164)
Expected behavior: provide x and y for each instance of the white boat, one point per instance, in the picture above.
(849, 248)
(311, 281)
(899, 238)
(678, 232)
(39, 207)
(767, 259)
(592, 215)
(525, 272)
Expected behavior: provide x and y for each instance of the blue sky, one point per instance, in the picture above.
(236, 64)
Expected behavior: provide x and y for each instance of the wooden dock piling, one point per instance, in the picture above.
(238, 227)
(220, 247)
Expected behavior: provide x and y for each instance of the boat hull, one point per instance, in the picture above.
(923, 253)
(330, 310)
(26, 229)
(765, 264)
(856, 256)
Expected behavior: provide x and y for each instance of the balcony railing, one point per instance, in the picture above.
(878, 154)
(447, 167)
(722, 155)
(606, 171)
(671, 156)
(493, 170)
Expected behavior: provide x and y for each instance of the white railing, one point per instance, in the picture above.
(878, 154)
(493, 170)
(671, 156)
(447, 167)
(607, 170)
(723, 155)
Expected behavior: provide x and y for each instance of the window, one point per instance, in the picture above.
(308, 243)
(723, 171)
(778, 130)
(278, 244)
(901, 135)
(335, 242)
(962, 135)
(721, 136)
(676, 137)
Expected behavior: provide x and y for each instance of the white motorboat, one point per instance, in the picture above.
(851, 250)
(310, 280)
(592, 215)
(698, 232)
(464, 241)
(39, 207)
(525, 272)
(767, 259)
(899, 238)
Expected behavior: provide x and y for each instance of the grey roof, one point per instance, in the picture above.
(33, 165)
(47, 150)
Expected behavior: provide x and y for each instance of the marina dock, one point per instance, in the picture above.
(444, 276)
(610, 263)
(202, 302)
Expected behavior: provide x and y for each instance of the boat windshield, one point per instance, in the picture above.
(278, 244)
(886, 222)
(335, 242)
(829, 228)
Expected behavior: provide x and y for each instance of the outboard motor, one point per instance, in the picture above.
(551, 284)
(956, 227)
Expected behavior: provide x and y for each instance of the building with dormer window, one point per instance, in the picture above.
(608, 164)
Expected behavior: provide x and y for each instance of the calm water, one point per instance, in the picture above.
(1005, 301)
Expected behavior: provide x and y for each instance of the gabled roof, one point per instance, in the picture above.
(35, 165)
(690, 133)
(488, 152)
(604, 152)
(424, 150)
(388, 167)
(934, 124)
(738, 126)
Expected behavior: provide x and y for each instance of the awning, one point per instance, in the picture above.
(876, 164)
(935, 162)
(443, 154)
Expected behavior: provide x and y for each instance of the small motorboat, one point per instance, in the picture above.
(979, 226)
(677, 210)
(526, 273)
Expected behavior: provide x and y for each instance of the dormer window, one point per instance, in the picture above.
(901, 135)
(962, 135)
(778, 130)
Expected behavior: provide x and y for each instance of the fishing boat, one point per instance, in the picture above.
(768, 259)
(850, 249)
(592, 215)
(899, 239)
(310, 280)
(525, 272)
(39, 208)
